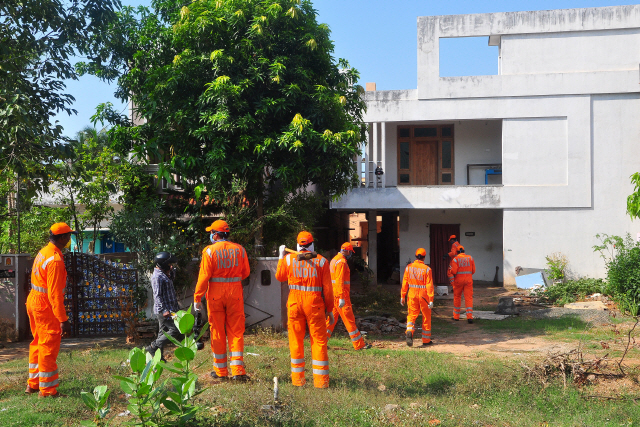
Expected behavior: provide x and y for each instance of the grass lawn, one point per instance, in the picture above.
(428, 387)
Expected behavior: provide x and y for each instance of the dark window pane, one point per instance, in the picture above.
(404, 132)
(446, 154)
(404, 155)
(404, 178)
(422, 132)
(446, 177)
(447, 131)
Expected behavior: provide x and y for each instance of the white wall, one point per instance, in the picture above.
(476, 142)
(536, 151)
(485, 247)
(530, 235)
(571, 52)
(391, 153)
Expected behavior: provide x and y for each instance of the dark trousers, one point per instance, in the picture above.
(166, 325)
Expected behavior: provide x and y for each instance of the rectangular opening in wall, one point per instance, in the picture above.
(468, 56)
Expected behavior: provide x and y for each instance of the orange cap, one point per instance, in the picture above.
(61, 228)
(453, 236)
(220, 226)
(421, 252)
(347, 247)
(304, 238)
(460, 247)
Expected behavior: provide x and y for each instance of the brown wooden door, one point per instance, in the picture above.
(425, 166)
(439, 237)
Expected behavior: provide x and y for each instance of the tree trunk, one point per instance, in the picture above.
(259, 247)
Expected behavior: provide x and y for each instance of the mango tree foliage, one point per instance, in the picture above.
(38, 38)
(230, 90)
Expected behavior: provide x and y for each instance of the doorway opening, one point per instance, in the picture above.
(439, 250)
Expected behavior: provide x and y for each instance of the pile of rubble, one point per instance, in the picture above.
(380, 325)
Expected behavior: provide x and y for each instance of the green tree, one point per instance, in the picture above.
(38, 38)
(633, 201)
(235, 90)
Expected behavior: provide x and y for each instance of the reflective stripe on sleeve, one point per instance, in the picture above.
(320, 372)
(47, 261)
(225, 279)
(329, 332)
(39, 288)
(347, 282)
(49, 384)
(322, 261)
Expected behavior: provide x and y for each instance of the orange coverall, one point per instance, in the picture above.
(310, 296)
(462, 268)
(452, 254)
(341, 280)
(418, 284)
(45, 308)
(224, 265)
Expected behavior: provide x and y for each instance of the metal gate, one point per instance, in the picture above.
(100, 295)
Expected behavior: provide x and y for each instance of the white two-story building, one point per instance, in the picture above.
(522, 164)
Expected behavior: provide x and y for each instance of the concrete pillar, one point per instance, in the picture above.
(383, 153)
(367, 153)
(374, 154)
(373, 245)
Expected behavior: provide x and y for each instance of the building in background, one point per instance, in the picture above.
(522, 164)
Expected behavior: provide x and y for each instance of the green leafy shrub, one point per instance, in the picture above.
(151, 401)
(572, 290)
(557, 267)
(622, 258)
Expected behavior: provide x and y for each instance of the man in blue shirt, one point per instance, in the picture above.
(165, 300)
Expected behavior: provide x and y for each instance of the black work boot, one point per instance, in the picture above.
(216, 376)
(427, 344)
(469, 320)
(409, 337)
(240, 378)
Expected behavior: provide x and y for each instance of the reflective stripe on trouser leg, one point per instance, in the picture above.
(457, 300)
(320, 373)
(426, 336)
(218, 339)
(48, 342)
(318, 338)
(468, 299)
(296, 326)
(33, 380)
(235, 331)
(349, 320)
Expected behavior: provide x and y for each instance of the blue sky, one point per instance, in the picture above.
(377, 37)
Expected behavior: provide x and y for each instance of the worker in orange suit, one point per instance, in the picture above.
(223, 267)
(462, 269)
(454, 244)
(341, 281)
(310, 302)
(417, 293)
(47, 316)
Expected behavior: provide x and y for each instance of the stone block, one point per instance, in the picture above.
(506, 306)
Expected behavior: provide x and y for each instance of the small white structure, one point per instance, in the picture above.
(528, 162)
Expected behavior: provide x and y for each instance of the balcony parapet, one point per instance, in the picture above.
(422, 197)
